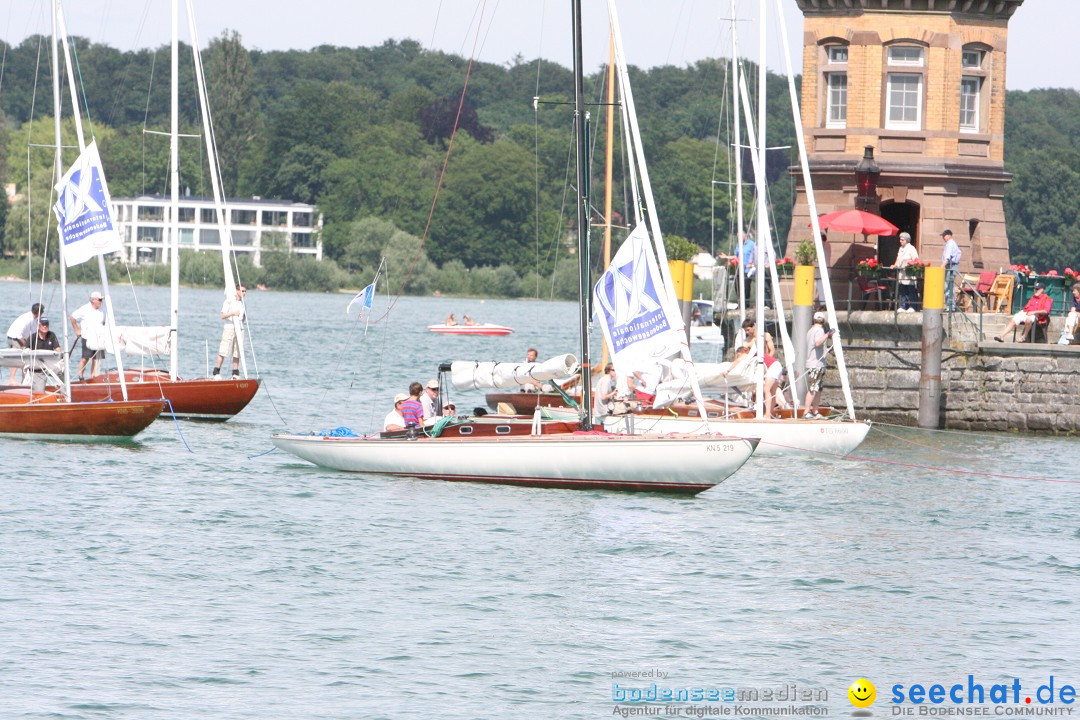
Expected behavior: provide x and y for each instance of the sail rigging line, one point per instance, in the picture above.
(442, 173)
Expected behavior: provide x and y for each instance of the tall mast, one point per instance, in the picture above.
(110, 318)
(220, 207)
(764, 236)
(174, 198)
(804, 163)
(58, 162)
(736, 131)
(584, 286)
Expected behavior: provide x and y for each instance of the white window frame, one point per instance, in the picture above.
(833, 51)
(905, 124)
(895, 50)
(978, 55)
(836, 97)
(972, 98)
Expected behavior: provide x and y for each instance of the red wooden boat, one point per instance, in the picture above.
(200, 399)
(48, 416)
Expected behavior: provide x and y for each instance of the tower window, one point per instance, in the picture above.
(972, 59)
(836, 100)
(905, 102)
(970, 90)
(906, 55)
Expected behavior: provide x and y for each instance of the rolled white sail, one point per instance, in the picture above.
(144, 340)
(711, 376)
(16, 358)
(472, 375)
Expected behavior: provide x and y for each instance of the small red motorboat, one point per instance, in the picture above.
(478, 329)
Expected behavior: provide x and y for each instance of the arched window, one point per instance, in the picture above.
(834, 76)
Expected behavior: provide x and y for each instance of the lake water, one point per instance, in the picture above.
(149, 581)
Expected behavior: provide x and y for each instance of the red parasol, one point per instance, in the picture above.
(857, 221)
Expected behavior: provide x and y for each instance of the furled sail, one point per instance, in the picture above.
(472, 375)
(144, 340)
(711, 376)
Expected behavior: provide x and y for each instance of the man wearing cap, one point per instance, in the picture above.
(905, 283)
(1036, 311)
(89, 322)
(20, 331)
(950, 258)
(393, 420)
(815, 365)
(43, 339)
(430, 398)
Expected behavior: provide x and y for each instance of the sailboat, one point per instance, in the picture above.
(217, 398)
(86, 230)
(585, 459)
(783, 435)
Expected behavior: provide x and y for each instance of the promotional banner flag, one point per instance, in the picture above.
(83, 210)
(365, 297)
(629, 303)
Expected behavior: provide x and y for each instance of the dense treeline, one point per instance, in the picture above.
(363, 133)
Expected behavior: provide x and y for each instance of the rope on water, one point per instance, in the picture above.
(258, 455)
(177, 424)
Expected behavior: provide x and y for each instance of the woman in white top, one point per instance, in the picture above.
(906, 283)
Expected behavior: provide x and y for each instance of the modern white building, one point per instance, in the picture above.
(256, 225)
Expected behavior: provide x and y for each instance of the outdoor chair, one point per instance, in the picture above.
(999, 296)
(974, 289)
(870, 288)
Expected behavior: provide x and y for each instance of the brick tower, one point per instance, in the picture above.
(923, 82)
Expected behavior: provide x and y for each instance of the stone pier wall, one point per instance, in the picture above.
(985, 385)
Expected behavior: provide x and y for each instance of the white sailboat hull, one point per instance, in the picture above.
(778, 437)
(687, 464)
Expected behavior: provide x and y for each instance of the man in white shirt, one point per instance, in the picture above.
(24, 326)
(230, 344)
(394, 420)
(89, 324)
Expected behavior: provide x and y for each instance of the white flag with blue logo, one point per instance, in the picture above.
(629, 301)
(365, 297)
(83, 210)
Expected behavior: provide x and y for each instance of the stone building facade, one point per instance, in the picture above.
(923, 82)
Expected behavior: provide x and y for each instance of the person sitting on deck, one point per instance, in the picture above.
(43, 339)
(469, 321)
(393, 420)
(1036, 311)
(451, 320)
(412, 410)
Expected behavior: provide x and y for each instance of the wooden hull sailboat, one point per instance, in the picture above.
(546, 457)
(578, 461)
(199, 399)
(49, 417)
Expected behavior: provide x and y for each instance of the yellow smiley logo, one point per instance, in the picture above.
(862, 693)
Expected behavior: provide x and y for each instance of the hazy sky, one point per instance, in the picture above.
(656, 32)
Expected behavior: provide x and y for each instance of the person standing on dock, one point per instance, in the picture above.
(906, 283)
(950, 258)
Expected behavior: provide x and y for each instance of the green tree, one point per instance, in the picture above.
(233, 105)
